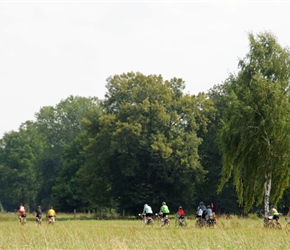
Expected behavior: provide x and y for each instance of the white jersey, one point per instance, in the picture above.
(200, 212)
(148, 209)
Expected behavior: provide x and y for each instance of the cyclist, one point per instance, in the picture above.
(21, 211)
(164, 210)
(51, 214)
(147, 211)
(274, 214)
(201, 212)
(209, 213)
(180, 213)
(38, 214)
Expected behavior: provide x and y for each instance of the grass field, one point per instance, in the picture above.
(230, 233)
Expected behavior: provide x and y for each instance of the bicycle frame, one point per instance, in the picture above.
(50, 220)
(38, 221)
(180, 222)
(163, 221)
(22, 220)
(146, 221)
(272, 223)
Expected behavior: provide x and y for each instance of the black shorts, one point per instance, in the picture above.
(164, 215)
(148, 214)
(275, 217)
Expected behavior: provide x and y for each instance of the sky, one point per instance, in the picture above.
(50, 50)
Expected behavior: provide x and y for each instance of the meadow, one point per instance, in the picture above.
(67, 233)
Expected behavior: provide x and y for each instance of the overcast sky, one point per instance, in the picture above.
(50, 50)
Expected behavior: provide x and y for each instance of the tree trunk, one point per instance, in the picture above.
(267, 186)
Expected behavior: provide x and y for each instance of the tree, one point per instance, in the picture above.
(59, 126)
(254, 138)
(18, 166)
(67, 191)
(146, 146)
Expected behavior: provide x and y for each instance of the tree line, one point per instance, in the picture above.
(149, 142)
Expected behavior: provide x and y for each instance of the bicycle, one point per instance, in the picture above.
(22, 219)
(38, 221)
(180, 222)
(199, 223)
(145, 221)
(211, 222)
(164, 222)
(272, 224)
(50, 220)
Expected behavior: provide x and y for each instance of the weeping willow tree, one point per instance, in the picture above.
(255, 133)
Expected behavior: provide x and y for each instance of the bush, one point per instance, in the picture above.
(253, 216)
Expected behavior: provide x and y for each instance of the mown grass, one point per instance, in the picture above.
(230, 233)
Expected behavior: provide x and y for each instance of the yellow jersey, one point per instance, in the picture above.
(51, 212)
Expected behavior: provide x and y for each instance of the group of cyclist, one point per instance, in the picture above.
(203, 213)
(164, 212)
(51, 214)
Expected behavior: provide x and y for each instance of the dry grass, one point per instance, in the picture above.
(231, 233)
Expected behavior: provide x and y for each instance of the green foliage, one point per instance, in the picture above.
(146, 144)
(255, 133)
(253, 216)
(18, 166)
(59, 126)
(67, 190)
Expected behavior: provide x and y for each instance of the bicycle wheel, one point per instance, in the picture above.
(278, 226)
(183, 223)
(198, 224)
(271, 225)
(150, 223)
(23, 220)
(213, 225)
(38, 221)
(165, 222)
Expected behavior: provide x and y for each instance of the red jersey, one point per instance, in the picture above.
(181, 212)
(21, 210)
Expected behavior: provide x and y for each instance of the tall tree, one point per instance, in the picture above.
(255, 133)
(67, 191)
(211, 159)
(146, 144)
(59, 126)
(19, 153)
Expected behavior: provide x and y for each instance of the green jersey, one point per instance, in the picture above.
(164, 209)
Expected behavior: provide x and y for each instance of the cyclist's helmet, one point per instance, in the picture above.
(208, 206)
(145, 205)
(180, 207)
(201, 203)
(163, 203)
